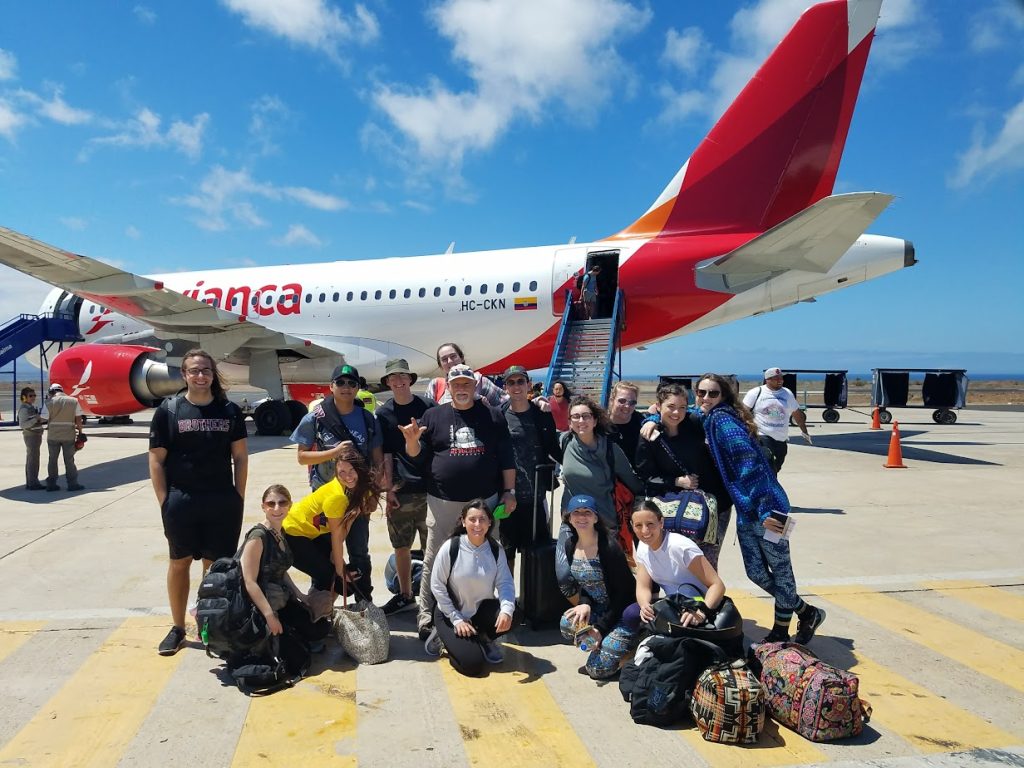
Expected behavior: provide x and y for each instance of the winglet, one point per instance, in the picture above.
(777, 148)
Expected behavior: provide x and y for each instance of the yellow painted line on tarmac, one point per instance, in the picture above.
(1001, 662)
(13, 634)
(94, 716)
(509, 718)
(929, 722)
(993, 599)
(302, 726)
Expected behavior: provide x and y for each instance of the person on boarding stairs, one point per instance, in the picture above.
(755, 490)
(266, 578)
(594, 576)
(475, 597)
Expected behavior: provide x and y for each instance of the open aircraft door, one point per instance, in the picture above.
(569, 262)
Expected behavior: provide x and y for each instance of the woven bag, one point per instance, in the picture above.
(728, 704)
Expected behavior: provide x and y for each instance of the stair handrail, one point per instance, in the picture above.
(613, 345)
(560, 341)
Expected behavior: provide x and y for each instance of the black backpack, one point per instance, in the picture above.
(660, 688)
(283, 661)
(229, 624)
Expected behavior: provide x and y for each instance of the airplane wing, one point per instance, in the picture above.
(172, 315)
(812, 241)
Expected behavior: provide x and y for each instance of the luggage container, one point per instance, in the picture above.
(834, 391)
(944, 389)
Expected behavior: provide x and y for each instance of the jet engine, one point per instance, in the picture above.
(115, 379)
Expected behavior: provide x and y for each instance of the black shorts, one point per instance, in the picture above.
(202, 524)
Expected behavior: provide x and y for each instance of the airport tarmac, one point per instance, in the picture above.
(919, 569)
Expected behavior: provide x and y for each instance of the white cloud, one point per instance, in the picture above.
(904, 32)
(310, 23)
(55, 108)
(685, 50)
(145, 15)
(524, 57)
(10, 120)
(988, 159)
(76, 223)
(994, 26)
(132, 232)
(21, 293)
(144, 131)
(8, 65)
(225, 195)
(680, 105)
(268, 113)
(299, 235)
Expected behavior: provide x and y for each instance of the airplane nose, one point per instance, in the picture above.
(909, 258)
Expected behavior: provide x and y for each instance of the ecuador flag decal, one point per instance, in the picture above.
(527, 302)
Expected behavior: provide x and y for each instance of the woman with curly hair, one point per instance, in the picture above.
(316, 526)
(761, 505)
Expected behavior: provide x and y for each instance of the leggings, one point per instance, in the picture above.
(467, 653)
(605, 660)
(769, 566)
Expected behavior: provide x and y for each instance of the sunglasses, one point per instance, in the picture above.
(710, 393)
(346, 383)
(625, 401)
(273, 504)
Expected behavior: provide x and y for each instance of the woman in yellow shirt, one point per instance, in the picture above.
(316, 526)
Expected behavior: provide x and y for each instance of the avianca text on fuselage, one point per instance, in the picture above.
(285, 300)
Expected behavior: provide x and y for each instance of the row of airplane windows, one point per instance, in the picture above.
(379, 294)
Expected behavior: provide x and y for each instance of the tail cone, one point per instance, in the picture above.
(895, 460)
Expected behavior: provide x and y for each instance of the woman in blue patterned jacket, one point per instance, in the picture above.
(732, 440)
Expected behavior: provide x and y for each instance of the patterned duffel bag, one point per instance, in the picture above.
(815, 699)
(728, 704)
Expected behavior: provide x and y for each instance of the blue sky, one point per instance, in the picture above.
(169, 136)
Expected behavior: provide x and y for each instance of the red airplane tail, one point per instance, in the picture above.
(777, 148)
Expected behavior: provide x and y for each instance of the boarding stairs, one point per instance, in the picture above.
(26, 331)
(586, 351)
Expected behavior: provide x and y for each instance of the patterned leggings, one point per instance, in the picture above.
(769, 566)
(605, 660)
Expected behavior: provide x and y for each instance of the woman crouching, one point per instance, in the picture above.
(469, 570)
(594, 576)
(265, 560)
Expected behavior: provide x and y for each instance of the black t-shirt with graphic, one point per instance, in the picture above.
(465, 451)
(199, 444)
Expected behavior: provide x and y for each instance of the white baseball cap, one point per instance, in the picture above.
(769, 372)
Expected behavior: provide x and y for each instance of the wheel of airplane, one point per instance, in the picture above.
(830, 415)
(884, 416)
(296, 411)
(272, 417)
(944, 416)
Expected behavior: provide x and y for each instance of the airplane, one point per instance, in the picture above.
(748, 225)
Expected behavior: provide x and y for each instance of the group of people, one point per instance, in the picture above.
(466, 466)
(63, 428)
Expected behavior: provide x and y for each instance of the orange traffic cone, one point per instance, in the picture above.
(895, 460)
(876, 421)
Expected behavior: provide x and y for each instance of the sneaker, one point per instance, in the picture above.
(492, 652)
(424, 631)
(432, 645)
(170, 644)
(398, 603)
(76, 487)
(777, 636)
(35, 487)
(808, 625)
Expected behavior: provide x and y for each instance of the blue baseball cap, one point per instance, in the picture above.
(583, 501)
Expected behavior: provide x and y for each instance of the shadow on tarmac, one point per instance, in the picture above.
(817, 510)
(117, 472)
(877, 444)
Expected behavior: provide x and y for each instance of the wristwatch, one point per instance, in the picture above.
(510, 490)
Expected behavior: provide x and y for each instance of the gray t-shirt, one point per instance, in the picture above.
(586, 470)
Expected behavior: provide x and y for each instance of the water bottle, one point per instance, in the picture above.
(204, 633)
(583, 639)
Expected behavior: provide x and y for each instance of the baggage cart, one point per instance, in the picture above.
(834, 391)
(943, 389)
